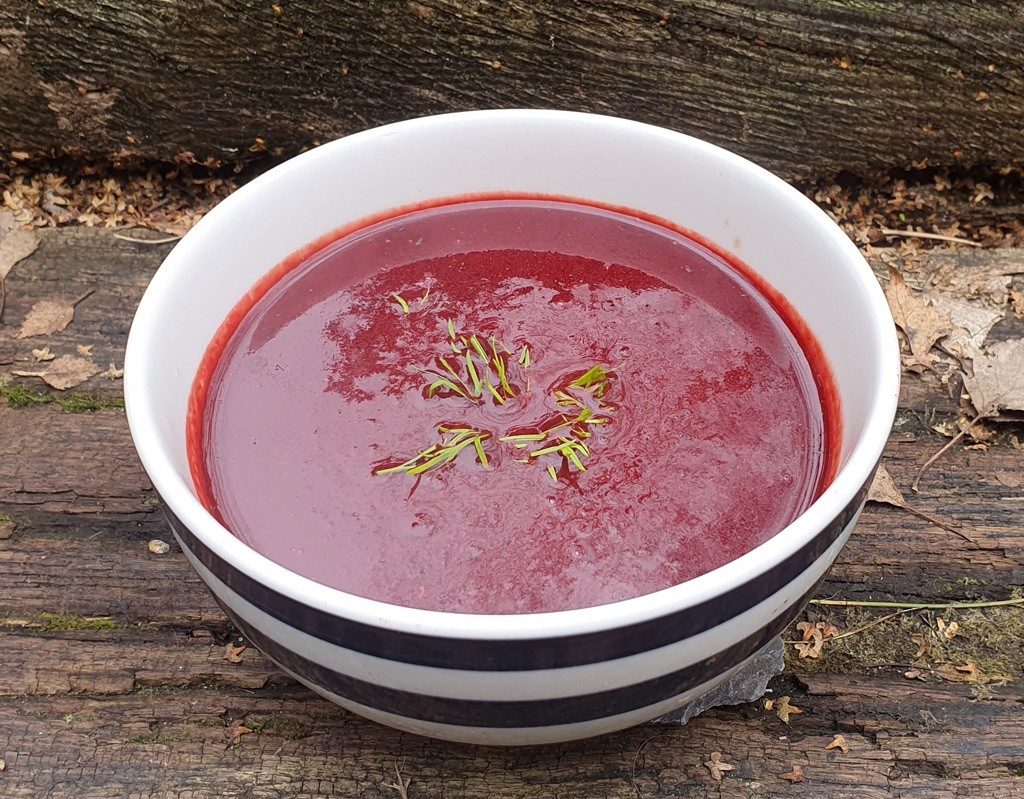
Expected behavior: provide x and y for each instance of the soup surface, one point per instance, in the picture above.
(508, 406)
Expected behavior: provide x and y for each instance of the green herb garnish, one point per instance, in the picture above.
(480, 369)
(454, 439)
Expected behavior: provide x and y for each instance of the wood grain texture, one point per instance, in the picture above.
(925, 743)
(113, 680)
(801, 87)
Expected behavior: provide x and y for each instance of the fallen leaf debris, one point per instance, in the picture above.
(922, 323)
(232, 653)
(814, 637)
(784, 710)
(839, 742)
(64, 372)
(717, 766)
(46, 318)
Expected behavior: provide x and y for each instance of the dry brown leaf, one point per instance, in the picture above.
(948, 631)
(987, 286)
(232, 653)
(922, 323)
(47, 317)
(810, 646)
(971, 322)
(785, 710)
(65, 372)
(717, 767)
(769, 704)
(924, 645)
(113, 373)
(970, 670)
(839, 742)
(85, 350)
(237, 732)
(914, 674)
(16, 242)
(43, 354)
(965, 673)
(883, 489)
(1009, 479)
(996, 382)
(796, 775)
(1017, 302)
(814, 637)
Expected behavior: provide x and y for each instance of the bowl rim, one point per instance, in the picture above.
(142, 408)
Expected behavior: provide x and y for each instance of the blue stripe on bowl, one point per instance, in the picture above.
(525, 713)
(519, 654)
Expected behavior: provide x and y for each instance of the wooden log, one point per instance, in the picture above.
(283, 742)
(803, 88)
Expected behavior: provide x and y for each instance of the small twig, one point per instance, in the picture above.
(920, 473)
(938, 523)
(636, 757)
(134, 240)
(84, 297)
(852, 603)
(915, 234)
(402, 783)
(906, 666)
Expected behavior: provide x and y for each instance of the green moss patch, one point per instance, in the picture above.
(19, 396)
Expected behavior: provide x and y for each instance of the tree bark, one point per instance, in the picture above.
(803, 88)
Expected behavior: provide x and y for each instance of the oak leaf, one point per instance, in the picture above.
(717, 767)
(920, 321)
(796, 775)
(65, 372)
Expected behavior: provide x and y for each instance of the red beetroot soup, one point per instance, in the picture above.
(510, 406)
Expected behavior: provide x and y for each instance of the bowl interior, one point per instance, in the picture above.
(733, 204)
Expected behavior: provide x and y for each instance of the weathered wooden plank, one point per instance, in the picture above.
(800, 87)
(121, 660)
(939, 743)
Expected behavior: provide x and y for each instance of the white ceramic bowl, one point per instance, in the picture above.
(540, 677)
